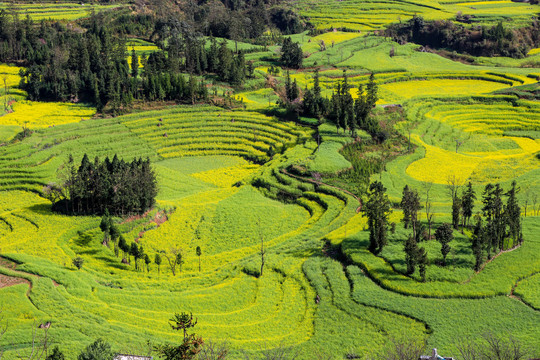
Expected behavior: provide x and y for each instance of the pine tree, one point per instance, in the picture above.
(512, 214)
(134, 64)
(157, 261)
(371, 90)
(478, 244)
(377, 209)
(467, 202)
(405, 207)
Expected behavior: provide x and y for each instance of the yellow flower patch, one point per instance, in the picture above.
(43, 114)
(226, 177)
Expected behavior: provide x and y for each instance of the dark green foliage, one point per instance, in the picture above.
(377, 209)
(98, 350)
(478, 244)
(113, 186)
(286, 20)
(191, 344)
(444, 234)
(157, 261)
(410, 204)
(291, 54)
(512, 214)
(147, 261)
(456, 210)
(122, 245)
(56, 354)
(411, 254)
(198, 251)
(422, 263)
(494, 41)
(291, 89)
(467, 202)
(349, 114)
(493, 212)
(78, 262)
(314, 105)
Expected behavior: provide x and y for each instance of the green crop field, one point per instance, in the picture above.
(64, 11)
(231, 180)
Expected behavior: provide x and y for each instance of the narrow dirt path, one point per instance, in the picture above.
(490, 260)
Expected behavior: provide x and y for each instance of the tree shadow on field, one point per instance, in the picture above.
(89, 252)
(111, 262)
(41, 209)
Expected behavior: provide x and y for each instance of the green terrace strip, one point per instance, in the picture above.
(62, 11)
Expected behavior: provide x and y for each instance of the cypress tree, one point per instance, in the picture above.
(478, 244)
(467, 202)
(444, 234)
(512, 214)
(377, 209)
(411, 254)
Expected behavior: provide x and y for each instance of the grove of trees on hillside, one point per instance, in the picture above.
(116, 187)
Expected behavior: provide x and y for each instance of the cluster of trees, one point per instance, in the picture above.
(242, 19)
(117, 187)
(501, 222)
(499, 228)
(111, 233)
(345, 112)
(477, 41)
(349, 114)
(66, 65)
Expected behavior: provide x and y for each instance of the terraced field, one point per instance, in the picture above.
(227, 183)
(373, 15)
(63, 11)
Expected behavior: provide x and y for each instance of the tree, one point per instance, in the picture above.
(377, 209)
(157, 261)
(98, 350)
(134, 64)
(104, 226)
(291, 54)
(56, 354)
(371, 90)
(411, 254)
(422, 263)
(179, 260)
(198, 251)
(172, 257)
(429, 214)
(467, 203)
(410, 204)
(78, 262)
(191, 344)
(134, 251)
(478, 244)
(114, 234)
(490, 347)
(122, 245)
(453, 190)
(147, 261)
(444, 234)
(263, 250)
(512, 213)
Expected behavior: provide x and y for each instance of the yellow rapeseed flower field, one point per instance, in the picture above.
(398, 91)
(226, 177)
(43, 114)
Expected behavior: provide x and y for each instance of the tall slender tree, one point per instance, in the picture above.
(377, 209)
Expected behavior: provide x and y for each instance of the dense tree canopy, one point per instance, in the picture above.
(115, 186)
